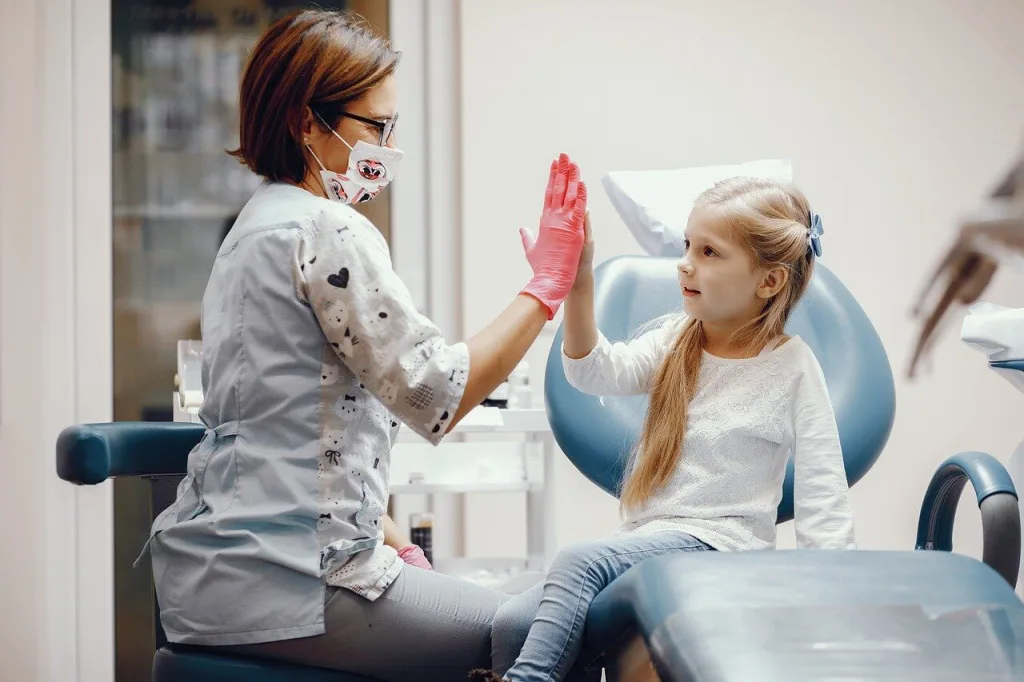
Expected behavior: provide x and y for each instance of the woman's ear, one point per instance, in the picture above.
(308, 124)
(772, 283)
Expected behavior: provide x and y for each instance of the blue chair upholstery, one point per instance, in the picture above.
(997, 500)
(667, 599)
(91, 453)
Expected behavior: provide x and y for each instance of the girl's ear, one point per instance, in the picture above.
(772, 283)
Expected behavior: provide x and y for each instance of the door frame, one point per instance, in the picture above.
(84, 62)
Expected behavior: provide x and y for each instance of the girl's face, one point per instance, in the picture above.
(721, 285)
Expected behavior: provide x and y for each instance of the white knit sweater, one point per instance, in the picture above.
(745, 420)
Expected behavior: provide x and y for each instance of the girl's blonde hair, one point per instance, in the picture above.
(773, 221)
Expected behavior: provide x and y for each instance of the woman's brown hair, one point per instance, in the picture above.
(772, 220)
(319, 59)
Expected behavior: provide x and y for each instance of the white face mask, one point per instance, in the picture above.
(370, 169)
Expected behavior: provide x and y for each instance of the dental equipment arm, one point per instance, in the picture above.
(990, 235)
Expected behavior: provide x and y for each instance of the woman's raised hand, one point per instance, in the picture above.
(554, 252)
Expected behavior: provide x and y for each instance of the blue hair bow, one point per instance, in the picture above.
(814, 234)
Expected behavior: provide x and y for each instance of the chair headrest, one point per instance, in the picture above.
(655, 204)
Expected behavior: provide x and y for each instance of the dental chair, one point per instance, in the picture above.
(764, 616)
(800, 614)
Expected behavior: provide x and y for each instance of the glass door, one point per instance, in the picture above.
(176, 71)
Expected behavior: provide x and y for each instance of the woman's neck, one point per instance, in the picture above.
(312, 184)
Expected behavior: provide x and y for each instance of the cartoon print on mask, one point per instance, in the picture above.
(372, 169)
(337, 189)
(303, 265)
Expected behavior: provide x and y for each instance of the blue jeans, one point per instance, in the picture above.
(537, 635)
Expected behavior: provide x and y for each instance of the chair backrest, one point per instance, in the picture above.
(597, 433)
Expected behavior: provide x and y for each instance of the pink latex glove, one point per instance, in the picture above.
(554, 254)
(413, 555)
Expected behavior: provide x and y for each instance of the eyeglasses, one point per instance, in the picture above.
(386, 127)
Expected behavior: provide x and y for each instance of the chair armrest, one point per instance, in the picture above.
(997, 499)
(88, 454)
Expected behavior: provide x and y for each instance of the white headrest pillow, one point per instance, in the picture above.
(656, 204)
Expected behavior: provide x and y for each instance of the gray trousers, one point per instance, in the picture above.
(426, 627)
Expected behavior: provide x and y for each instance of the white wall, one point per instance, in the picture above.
(20, 582)
(55, 571)
(897, 116)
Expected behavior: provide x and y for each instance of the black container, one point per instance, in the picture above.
(421, 532)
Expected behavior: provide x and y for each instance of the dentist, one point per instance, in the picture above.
(313, 354)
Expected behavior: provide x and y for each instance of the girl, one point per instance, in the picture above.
(731, 398)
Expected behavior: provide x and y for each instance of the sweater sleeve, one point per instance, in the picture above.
(622, 368)
(822, 511)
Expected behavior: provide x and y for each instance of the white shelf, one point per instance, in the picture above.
(479, 420)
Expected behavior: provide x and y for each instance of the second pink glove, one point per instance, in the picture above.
(414, 556)
(554, 253)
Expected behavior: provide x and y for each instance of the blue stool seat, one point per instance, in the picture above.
(176, 663)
